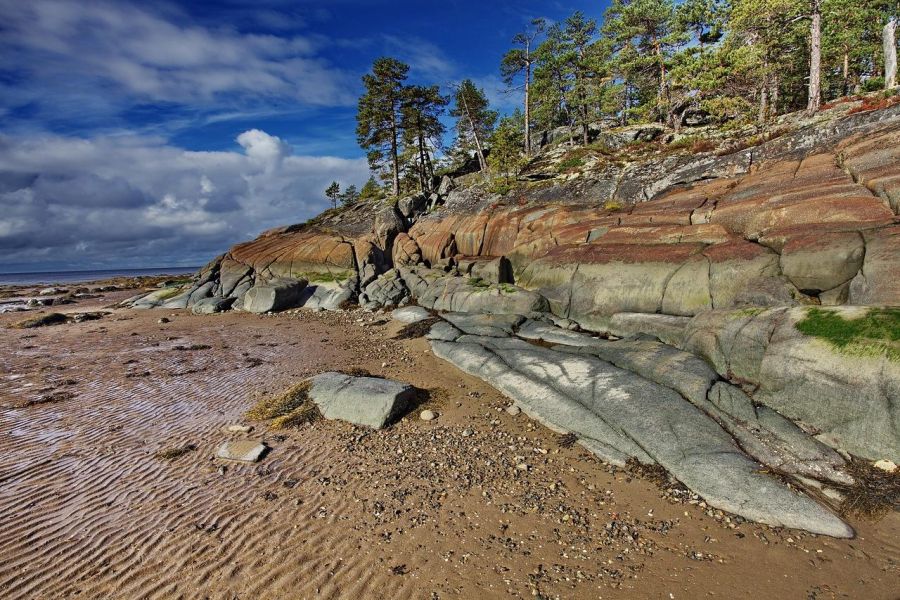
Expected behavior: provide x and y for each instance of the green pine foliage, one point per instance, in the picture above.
(733, 62)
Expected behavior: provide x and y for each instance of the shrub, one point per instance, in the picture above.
(873, 84)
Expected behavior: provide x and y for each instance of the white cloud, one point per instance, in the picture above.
(134, 200)
(81, 48)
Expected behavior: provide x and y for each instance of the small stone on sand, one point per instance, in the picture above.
(513, 410)
(239, 428)
(427, 415)
(886, 465)
(241, 450)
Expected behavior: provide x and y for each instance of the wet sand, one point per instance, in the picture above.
(476, 504)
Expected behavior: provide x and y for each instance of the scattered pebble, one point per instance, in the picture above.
(886, 465)
(427, 415)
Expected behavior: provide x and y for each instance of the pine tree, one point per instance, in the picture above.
(551, 84)
(646, 34)
(378, 128)
(765, 35)
(520, 61)
(350, 196)
(585, 63)
(475, 120)
(371, 190)
(333, 192)
(422, 128)
(506, 147)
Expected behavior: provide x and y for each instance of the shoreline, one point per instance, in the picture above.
(420, 509)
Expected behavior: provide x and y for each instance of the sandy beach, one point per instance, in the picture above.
(478, 503)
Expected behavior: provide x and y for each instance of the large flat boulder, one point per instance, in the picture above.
(621, 415)
(365, 401)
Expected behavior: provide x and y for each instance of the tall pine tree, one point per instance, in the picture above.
(474, 119)
(378, 119)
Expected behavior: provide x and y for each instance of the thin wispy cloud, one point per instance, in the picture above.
(133, 54)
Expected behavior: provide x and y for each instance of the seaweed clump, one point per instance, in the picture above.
(291, 408)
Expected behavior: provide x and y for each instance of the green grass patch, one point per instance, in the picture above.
(507, 288)
(290, 408)
(570, 164)
(478, 282)
(330, 277)
(875, 334)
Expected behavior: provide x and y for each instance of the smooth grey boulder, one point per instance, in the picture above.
(387, 289)
(366, 401)
(278, 294)
(326, 297)
(443, 331)
(484, 324)
(208, 306)
(668, 329)
(462, 294)
(411, 314)
(537, 330)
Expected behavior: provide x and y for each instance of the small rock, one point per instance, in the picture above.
(427, 415)
(239, 428)
(241, 450)
(163, 320)
(522, 467)
(467, 432)
(513, 410)
(886, 465)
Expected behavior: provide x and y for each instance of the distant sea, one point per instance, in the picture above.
(49, 277)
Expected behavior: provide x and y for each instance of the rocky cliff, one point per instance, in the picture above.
(771, 263)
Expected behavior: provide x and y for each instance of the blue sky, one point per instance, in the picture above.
(154, 134)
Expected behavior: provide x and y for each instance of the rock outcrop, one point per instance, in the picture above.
(707, 265)
(655, 404)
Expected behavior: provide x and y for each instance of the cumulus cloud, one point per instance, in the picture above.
(114, 201)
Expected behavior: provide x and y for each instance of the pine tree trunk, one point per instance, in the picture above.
(889, 41)
(663, 93)
(815, 59)
(394, 154)
(482, 163)
(423, 174)
(527, 102)
(763, 104)
(845, 88)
